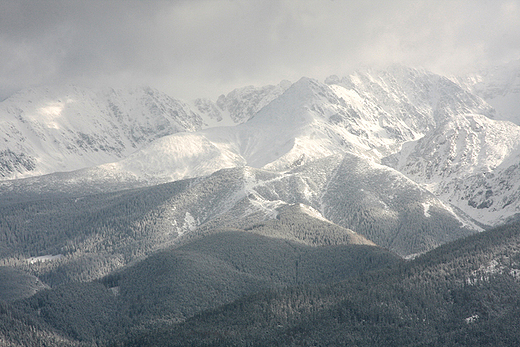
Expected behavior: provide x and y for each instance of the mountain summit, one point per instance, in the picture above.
(425, 126)
(126, 212)
(49, 129)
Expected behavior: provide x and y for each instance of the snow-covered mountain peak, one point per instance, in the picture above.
(63, 128)
(370, 115)
(470, 161)
(293, 107)
(239, 105)
(463, 145)
(425, 125)
(433, 97)
(499, 86)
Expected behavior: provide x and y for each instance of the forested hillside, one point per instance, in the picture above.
(65, 237)
(278, 281)
(16, 284)
(239, 288)
(354, 211)
(93, 234)
(177, 283)
(465, 293)
(20, 329)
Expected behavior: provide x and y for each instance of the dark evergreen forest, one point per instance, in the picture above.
(200, 263)
(235, 288)
(465, 293)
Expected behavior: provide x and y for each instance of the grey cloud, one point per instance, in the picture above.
(192, 48)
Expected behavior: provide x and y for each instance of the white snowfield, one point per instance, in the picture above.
(471, 161)
(499, 86)
(439, 133)
(44, 130)
(44, 258)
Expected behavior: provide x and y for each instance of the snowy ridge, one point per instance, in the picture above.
(239, 105)
(43, 130)
(464, 145)
(409, 102)
(499, 86)
(335, 189)
(312, 120)
(470, 161)
(175, 157)
(428, 127)
(373, 200)
(370, 114)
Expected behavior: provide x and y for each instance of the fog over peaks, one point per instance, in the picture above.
(205, 48)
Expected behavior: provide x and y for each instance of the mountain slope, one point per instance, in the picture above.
(98, 233)
(64, 128)
(369, 114)
(389, 209)
(460, 294)
(21, 329)
(409, 102)
(499, 86)
(223, 266)
(470, 161)
(50, 129)
(176, 283)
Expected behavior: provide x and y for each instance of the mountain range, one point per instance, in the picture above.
(131, 197)
(421, 124)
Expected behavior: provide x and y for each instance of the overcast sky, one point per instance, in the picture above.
(206, 48)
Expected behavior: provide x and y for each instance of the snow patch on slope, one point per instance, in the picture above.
(44, 130)
(175, 157)
(470, 161)
(499, 86)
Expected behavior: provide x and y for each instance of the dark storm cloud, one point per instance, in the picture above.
(191, 48)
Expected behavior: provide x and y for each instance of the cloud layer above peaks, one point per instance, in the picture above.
(207, 47)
